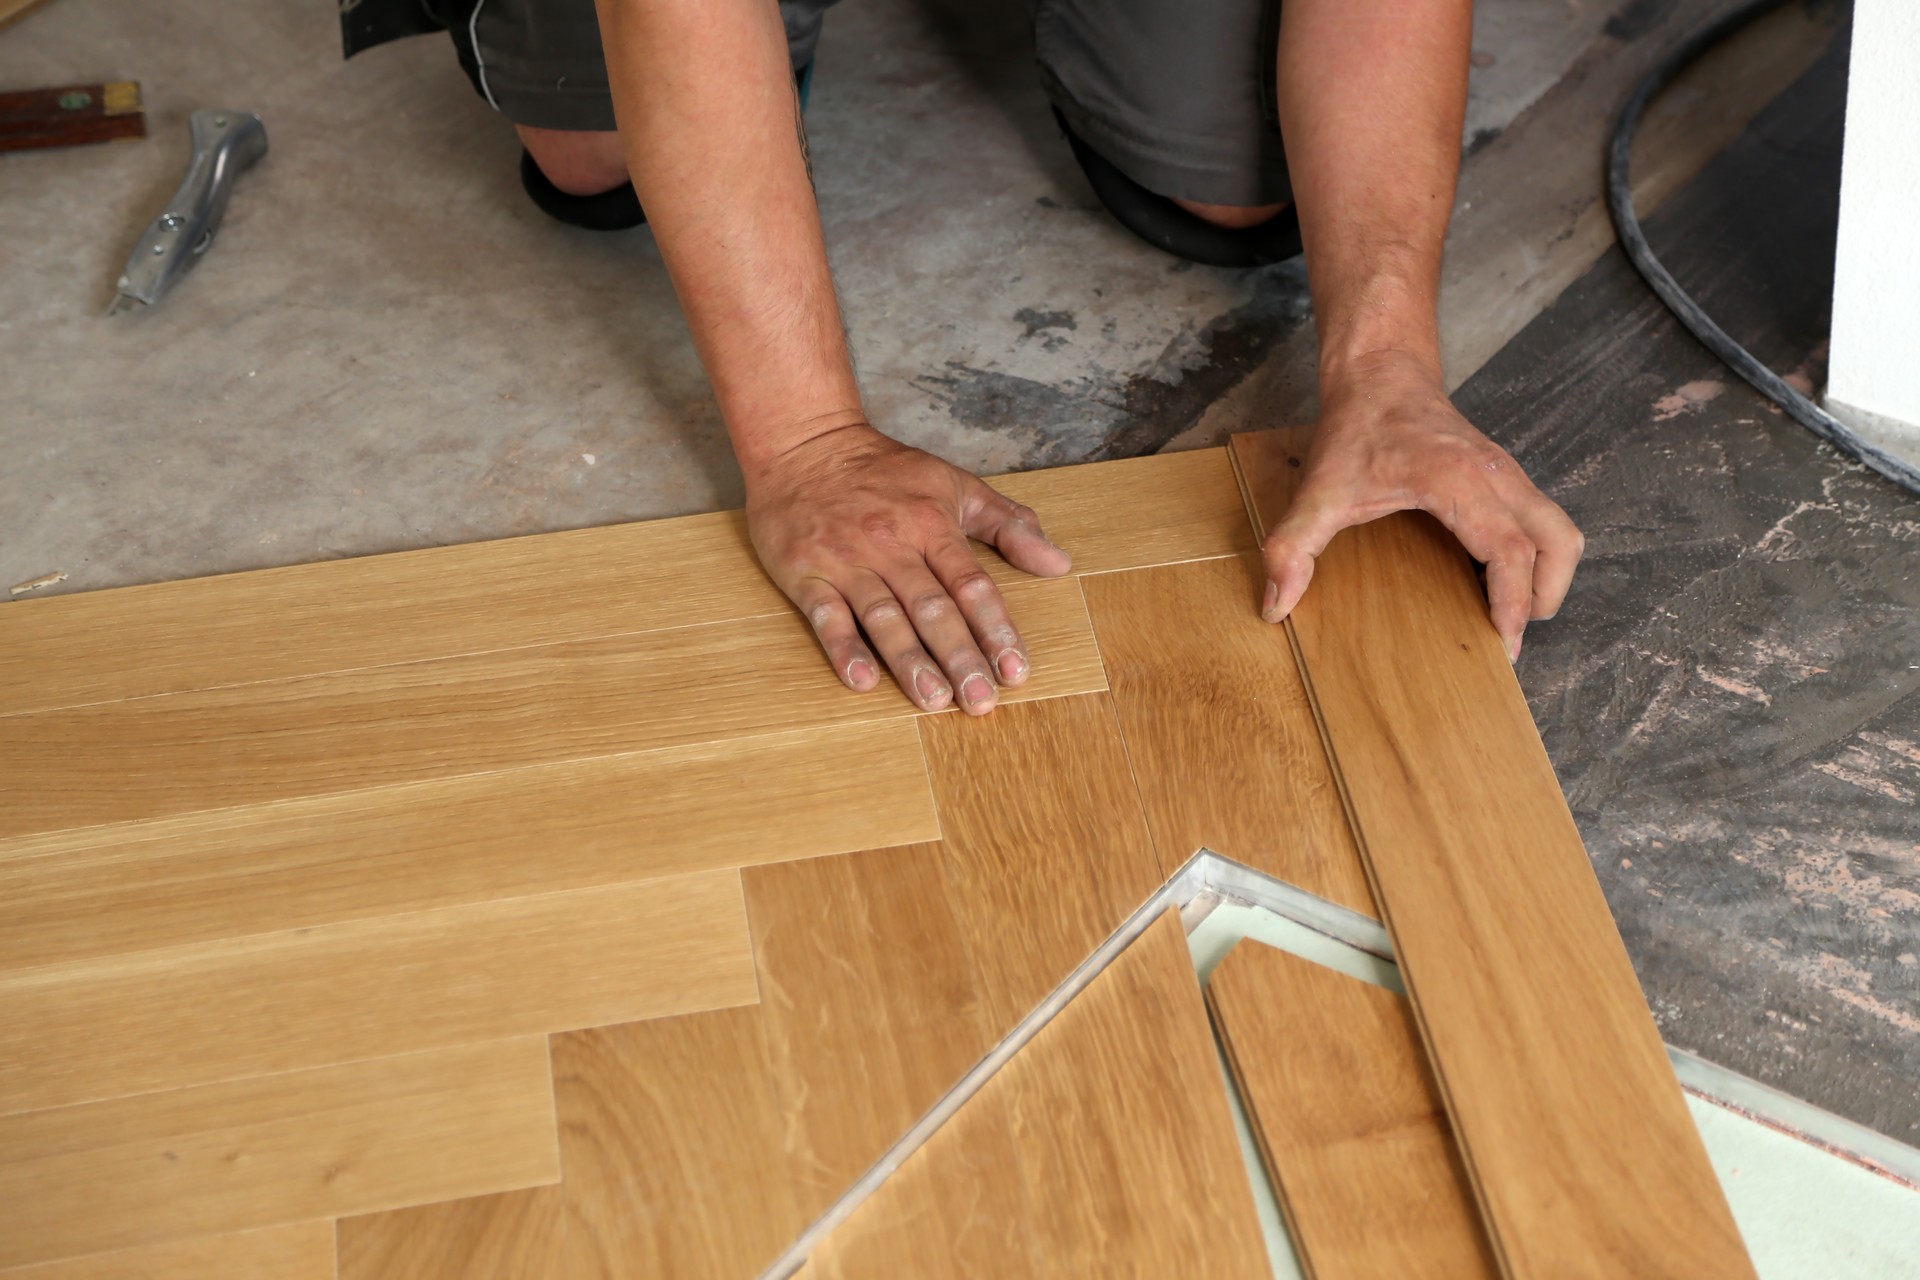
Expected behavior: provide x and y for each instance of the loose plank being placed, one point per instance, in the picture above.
(1570, 1120)
(415, 606)
(1349, 1124)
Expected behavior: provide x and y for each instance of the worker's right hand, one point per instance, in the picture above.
(868, 537)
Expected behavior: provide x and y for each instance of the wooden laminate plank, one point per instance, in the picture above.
(414, 606)
(283, 1001)
(672, 1146)
(1350, 1125)
(1122, 1140)
(282, 1148)
(1223, 740)
(1046, 846)
(297, 1251)
(956, 1210)
(1131, 1161)
(221, 748)
(510, 1235)
(1569, 1118)
(871, 1007)
(199, 877)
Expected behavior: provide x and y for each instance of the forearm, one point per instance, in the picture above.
(711, 126)
(1372, 100)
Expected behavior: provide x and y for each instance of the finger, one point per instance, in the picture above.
(1492, 534)
(1559, 547)
(891, 633)
(944, 634)
(833, 625)
(984, 609)
(1013, 530)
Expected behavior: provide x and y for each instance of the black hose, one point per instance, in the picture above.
(1620, 201)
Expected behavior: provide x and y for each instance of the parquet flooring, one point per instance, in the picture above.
(546, 909)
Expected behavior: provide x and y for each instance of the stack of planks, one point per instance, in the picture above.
(545, 908)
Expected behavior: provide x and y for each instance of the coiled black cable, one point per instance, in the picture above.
(1620, 202)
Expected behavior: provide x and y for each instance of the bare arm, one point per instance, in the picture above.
(859, 531)
(1372, 99)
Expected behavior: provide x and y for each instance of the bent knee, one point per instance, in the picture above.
(1234, 217)
(577, 162)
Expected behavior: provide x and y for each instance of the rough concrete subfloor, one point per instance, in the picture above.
(389, 347)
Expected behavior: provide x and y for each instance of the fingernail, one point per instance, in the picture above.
(1012, 667)
(976, 689)
(1272, 601)
(1513, 649)
(932, 690)
(858, 670)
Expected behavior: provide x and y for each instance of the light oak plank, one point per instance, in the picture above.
(1223, 740)
(222, 748)
(671, 1142)
(1130, 1158)
(415, 606)
(1047, 849)
(956, 1210)
(298, 1251)
(283, 1148)
(1121, 1141)
(1568, 1115)
(185, 1015)
(511, 1235)
(1350, 1125)
(870, 1004)
(231, 872)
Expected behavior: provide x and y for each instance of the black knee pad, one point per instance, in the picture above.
(615, 210)
(1165, 225)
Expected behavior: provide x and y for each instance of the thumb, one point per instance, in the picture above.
(1013, 530)
(1292, 547)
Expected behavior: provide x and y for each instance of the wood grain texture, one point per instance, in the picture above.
(1217, 723)
(1047, 849)
(870, 1003)
(956, 1210)
(1127, 1145)
(346, 731)
(298, 1251)
(367, 988)
(1120, 1139)
(282, 1148)
(1571, 1123)
(671, 1141)
(1350, 1124)
(416, 606)
(510, 1235)
(232, 872)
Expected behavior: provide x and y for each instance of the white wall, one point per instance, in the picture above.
(1875, 362)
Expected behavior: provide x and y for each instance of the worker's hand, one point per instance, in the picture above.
(867, 535)
(1389, 440)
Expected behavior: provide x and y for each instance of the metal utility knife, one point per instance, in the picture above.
(225, 144)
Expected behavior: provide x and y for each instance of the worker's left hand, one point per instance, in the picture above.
(1390, 440)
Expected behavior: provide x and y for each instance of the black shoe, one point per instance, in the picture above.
(1165, 225)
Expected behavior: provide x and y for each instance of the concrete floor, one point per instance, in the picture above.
(389, 347)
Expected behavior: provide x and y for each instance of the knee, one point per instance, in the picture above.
(578, 163)
(1234, 217)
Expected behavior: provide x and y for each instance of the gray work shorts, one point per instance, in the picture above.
(1177, 94)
